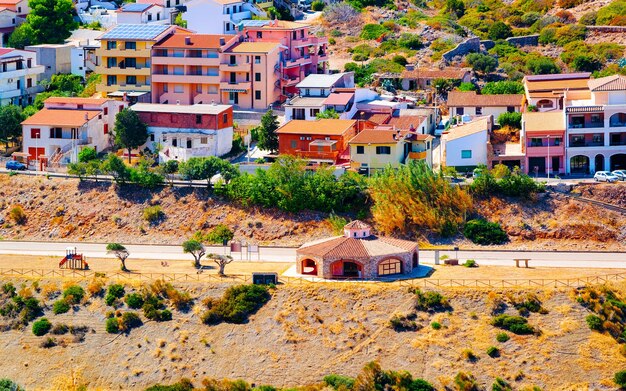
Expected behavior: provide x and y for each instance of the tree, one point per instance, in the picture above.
(503, 87)
(467, 86)
(120, 253)
(87, 154)
(168, 169)
(22, 36)
(542, 66)
(72, 84)
(268, 139)
(221, 260)
(499, 30)
(620, 378)
(513, 120)
(196, 249)
(586, 63)
(410, 41)
(179, 21)
(115, 167)
(198, 168)
(51, 20)
(455, 8)
(11, 118)
(443, 86)
(330, 113)
(130, 132)
(482, 63)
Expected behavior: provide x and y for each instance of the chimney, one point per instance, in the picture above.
(187, 40)
(222, 41)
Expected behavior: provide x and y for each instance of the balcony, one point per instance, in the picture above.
(417, 155)
(290, 81)
(586, 125)
(183, 79)
(297, 62)
(104, 52)
(191, 61)
(583, 144)
(241, 86)
(239, 16)
(317, 155)
(132, 71)
(17, 73)
(238, 67)
(542, 150)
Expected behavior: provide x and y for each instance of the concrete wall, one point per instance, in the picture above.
(477, 143)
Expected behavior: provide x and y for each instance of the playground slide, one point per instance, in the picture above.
(62, 262)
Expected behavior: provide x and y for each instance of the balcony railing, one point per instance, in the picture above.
(586, 144)
(586, 125)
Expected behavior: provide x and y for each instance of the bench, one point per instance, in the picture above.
(517, 261)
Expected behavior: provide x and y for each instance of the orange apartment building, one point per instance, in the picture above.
(304, 52)
(324, 140)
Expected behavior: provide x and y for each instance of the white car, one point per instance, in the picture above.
(620, 174)
(604, 176)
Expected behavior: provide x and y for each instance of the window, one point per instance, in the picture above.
(460, 111)
(577, 122)
(595, 118)
(213, 89)
(479, 110)
(199, 88)
(165, 88)
(29, 83)
(204, 140)
(257, 95)
(360, 150)
(198, 119)
(105, 111)
(259, 34)
(152, 137)
(106, 128)
(56, 133)
(178, 88)
(257, 59)
(598, 139)
(389, 266)
(188, 143)
(233, 60)
(174, 142)
(111, 45)
(314, 112)
(233, 78)
(149, 17)
(257, 76)
(179, 70)
(131, 79)
(111, 62)
(29, 63)
(294, 144)
(510, 109)
(247, 76)
(466, 154)
(536, 142)
(35, 133)
(111, 80)
(130, 45)
(383, 150)
(130, 62)
(225, 118)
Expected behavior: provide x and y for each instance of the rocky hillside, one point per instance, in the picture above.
(306, 332)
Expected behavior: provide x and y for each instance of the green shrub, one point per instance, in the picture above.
(404, 322)
(594, 322)
(541, 65)
(515, 324)
(513, 120)
(465, 382)
(499, 30)
(186, 385)
(74, 294)
(373, 31)
(18, 215)
(339, 381)
(153, 214)
(431, 301)
(115, 291)
(8, 289)
(317, 5)
(620, 378)
(610, 11)
(60, 329)
(484, 233)
(501, 385)
(470, 263)
(502, 87)
(236, 305)
(9, 385)
(410, 41)
(493, 351)
(112, 326)
(332, 41)
(60, 307)
(588, 18)
(87, 154)
(130, 320)
(134, 300)
(502, 337)
(435, 325)
(41, 327)
(219, 234)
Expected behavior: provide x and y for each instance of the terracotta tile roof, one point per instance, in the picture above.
(405, 122)
(204, 41)
(60, 117)
(377, 118)
(609, 83)
(254, 47)
(353, 248)
(433, 73)
(544, 121)
(339, 99)
(472, 99)
(357, 224)
(377, 136)
(476, 126)
(334, 127)
(539, 85)
(78, 101)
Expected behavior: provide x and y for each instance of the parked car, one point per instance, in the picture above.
(604, 176)
(620, 174)
(15, 165)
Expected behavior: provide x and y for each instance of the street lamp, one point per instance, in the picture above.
(549, 160)
(369, 159)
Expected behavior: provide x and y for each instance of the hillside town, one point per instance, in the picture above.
(300, 195)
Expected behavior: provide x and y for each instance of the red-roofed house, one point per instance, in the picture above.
(357, 254)
(56, 133)
(20, 7)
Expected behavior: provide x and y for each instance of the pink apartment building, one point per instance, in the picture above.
(303, 52)
(543, 138)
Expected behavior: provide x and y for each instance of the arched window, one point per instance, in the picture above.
(617, 119)
(545, 104)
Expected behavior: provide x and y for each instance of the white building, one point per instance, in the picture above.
(138, 13)
(83, 54)
(8, 21)
(19, 77)
(315, 96)
(55, 134)
(56, 58)
(470, 103)
(218, 16)
(465, 145)
(180, 132)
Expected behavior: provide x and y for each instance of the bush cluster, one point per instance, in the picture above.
(114, 292)
(22, 309)
(515, 324)
(60, 307)
(153, 214)
(484, 232)
(512, 184)
(73, 294)
(404, 322)
(236, 305)
(431, 301)
(41, 327)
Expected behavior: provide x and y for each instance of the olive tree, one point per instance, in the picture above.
(221, 260)
(120, 253)
(196, 249)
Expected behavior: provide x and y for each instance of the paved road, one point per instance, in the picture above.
(283, 254)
